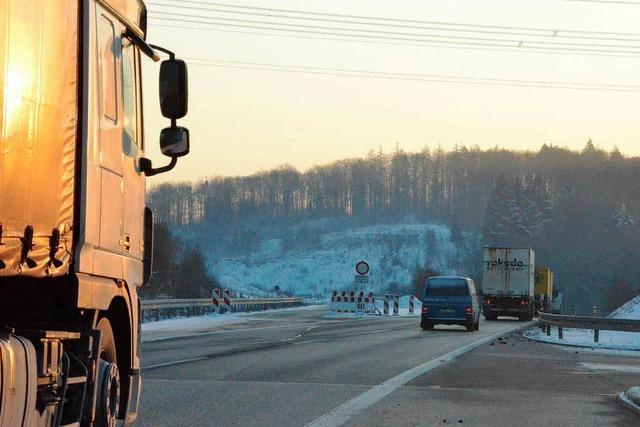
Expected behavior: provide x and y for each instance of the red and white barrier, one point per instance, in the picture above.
(350, 302)
(216, 300)
(226, 300)
(396, 305)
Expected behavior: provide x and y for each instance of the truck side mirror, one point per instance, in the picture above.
(174, 141)
(173, 90)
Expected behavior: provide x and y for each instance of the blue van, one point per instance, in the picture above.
(450, 300)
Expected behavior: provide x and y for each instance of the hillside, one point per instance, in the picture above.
(579, 211)
(392, 251)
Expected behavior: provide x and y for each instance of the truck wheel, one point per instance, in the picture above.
(108, 397)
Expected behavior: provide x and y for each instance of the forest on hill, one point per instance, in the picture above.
(579, 210)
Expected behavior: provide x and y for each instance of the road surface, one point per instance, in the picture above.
(299, 368)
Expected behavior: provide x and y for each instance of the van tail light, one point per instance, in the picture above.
(487, 301)
(425, 309)
(469, 309)
(524, 302)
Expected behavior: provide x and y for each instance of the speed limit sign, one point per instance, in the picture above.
(362, 268)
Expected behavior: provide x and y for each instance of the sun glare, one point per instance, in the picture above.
(15, 90)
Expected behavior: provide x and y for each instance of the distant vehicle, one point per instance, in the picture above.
(544, 293)
(556, 305)
(450, 300)
(508, 282)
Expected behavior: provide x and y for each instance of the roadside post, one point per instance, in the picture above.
(385, 310)
(411, 307)
(396, 305)
(226, 299)
(215, 297)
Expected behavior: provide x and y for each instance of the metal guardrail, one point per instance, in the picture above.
(546, 320)
(166, 308)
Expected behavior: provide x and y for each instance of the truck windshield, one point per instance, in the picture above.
(446, 287)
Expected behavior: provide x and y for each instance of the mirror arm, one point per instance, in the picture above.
(172, 55)
(147, 167)
(141, 44)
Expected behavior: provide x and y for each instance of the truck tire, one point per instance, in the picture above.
(108, 397)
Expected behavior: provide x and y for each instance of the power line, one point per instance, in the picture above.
(391, 43)
(212, 19)
(434, 26)
(634, 3)
(438, 78)
(386, 19)
(540, 46)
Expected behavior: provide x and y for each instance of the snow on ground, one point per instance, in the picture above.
(634, 394)
(611, 340)
(189, 326)
(608, 340)
(629, 310)
(392, 251)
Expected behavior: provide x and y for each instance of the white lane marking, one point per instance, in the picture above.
(228, 331)
(342, 413)
(291, 339)
(635, 369)
(174, 362)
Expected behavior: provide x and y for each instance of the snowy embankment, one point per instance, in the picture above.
(199, 325)
(629, 310)
(612, 340)
(392, 251)
(631, 399)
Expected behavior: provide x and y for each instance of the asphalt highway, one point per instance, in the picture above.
(298, 368)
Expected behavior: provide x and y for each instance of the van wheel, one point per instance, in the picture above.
(470, 326)
(427, 326)
(108, 397)
(491, 317)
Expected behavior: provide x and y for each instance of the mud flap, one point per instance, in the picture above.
(135, 387)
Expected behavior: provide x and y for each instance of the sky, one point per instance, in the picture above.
(246, 120)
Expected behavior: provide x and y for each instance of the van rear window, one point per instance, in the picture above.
(447, 287)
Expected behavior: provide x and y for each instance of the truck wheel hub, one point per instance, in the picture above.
(109, 396)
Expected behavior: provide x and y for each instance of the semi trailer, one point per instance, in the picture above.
(508, 282)
(75, 234)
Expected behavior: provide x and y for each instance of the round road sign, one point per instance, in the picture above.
(362, 268)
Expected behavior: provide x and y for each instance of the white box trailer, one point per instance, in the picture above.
(508, 277)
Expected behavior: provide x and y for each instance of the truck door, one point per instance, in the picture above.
(133, 180)
(122, 184)
(108, 260)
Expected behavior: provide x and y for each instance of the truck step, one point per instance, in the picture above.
(76, 380)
